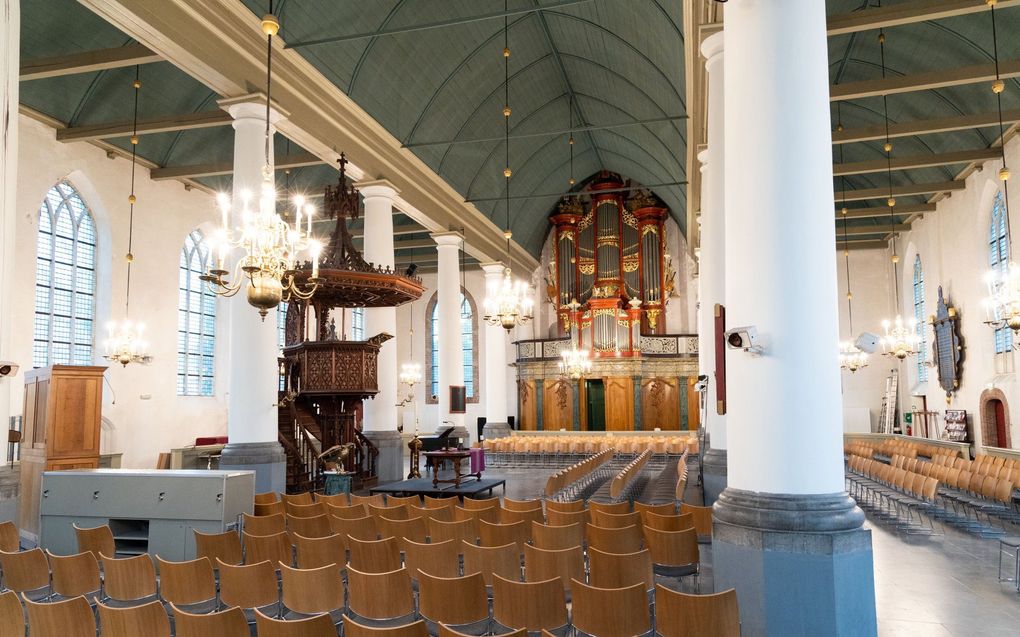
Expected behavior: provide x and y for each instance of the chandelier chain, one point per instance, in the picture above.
(137, 84)
(1002, 132)
(846, 249)
(891, 202)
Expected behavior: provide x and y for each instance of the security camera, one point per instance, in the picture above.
(702, 384)
(8, 368)
(867, 342)
(745, 338)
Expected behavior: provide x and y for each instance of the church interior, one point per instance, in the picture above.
(509, 317)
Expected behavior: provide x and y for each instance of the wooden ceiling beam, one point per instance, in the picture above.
(191, 121)
(87, 62)
(883, 211)
(402, 229)
(226, 168)
(856, 231)
(870, 244)
(907, 13)
(924, 127)
(409, 244)
(900, 191)
(923, 81)
(913, 162)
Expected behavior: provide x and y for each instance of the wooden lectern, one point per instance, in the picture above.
(62, 419)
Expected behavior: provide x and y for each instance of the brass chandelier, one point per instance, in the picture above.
(270, 243)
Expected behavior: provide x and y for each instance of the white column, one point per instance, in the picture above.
(785, 407)
(495, 355)
(451, 356)
(712, 270)
(381, 411)
(254, 379)
(10, 28)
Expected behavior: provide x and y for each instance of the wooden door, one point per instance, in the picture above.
(558, 405)
(528, 408)
(660, 404)
(619, 403)
(693, 404)
(1000, 424)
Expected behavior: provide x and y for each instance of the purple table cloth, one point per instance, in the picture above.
(477, 460)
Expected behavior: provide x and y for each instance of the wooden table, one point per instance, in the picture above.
(454, 455)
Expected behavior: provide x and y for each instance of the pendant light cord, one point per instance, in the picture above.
(570, 135)
(269, 84)
(843, 212)
(506, 118)
(891, 202)
(1002, 133)
(137, 84)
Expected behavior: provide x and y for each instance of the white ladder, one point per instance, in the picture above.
(888, 417)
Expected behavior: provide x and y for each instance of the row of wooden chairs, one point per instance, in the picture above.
(899, 446)
(626, 476)
(563, 478)
(892, 492)
(989, 492)
(522, 447)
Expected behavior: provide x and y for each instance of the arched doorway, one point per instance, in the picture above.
(995, 419)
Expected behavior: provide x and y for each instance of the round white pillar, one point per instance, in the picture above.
(496, 408)
(451, 356)
(10, 28)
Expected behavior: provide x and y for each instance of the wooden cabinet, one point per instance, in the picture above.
(62, 420)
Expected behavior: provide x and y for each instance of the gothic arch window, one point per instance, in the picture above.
(998, 261)
(469, 347)
(65, 280)
(920, 319)
(196, 321)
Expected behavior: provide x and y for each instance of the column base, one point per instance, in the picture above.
(801, 564)
(714, 474)
(267, 459)
(390, 462)
(492, 430)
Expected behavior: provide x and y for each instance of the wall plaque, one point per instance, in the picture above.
(947, 347)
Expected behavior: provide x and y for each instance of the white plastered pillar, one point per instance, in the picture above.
(451, 357)
(10, 27)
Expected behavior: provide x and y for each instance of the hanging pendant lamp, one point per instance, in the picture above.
(851, 357)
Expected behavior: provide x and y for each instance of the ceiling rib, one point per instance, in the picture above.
(928, 160)
(191, 121)
(883, 211)
(552, 133)
(906, 190)
(227, 168)
(569, 193)
(87, 62)
(923, 81)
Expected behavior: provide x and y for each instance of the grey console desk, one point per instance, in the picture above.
(149, 511)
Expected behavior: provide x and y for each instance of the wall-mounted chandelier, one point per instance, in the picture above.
(126, 343)
(270, 244)
(507, 302)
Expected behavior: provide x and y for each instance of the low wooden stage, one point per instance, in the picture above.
(469, 487)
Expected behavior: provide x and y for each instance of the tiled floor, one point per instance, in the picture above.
(931, 587)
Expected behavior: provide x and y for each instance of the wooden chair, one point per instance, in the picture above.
(412, 529)
(488, 514)
(74, 575)
(374, 556)
(267, 498)
(461, 530)
(388, 512)
(189, 584)
(129, 581)
(225, 546)
(306, 510)
(616, 520)
(443, 514)
(304, 497)
(68, 618)
(249, 586)
(500, 534)
(702, 520)
(313, 552)
(264, 524)
(522, 505)
(272, 548)
(10, 540)
(669, 508)
(446, 631)
(269, 508)
(12, 615)
(380, 598)
(682, 615)
(347, 512)
(337, 499)
(566, 518)
(460, 602)
(227, 623)
(359, 528)
(475, 504)
(309, 591)
(674, 553)
(439, 503)
(414, 629)
(542, 564)
(570, 506)
(313, 526)
(533, 606)
(613, 507)
(148, 619)
(610, 612)
(504, 561)
(557, 537)
(376, 500)
(411, 500)
(509, 516)
(26, 572)
(97, 539)
(441, 559)
(668, 522)
(625, 540)
(616, 570)
(317, 626)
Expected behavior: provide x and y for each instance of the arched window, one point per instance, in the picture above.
(469, 345)
(919, 317)
(358, 324)
(196, 321)
(998, 261)
(65, 280)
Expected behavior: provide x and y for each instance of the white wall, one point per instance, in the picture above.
(953, 245)
(148, 417)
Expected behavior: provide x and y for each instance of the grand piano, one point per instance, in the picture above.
(443, 440)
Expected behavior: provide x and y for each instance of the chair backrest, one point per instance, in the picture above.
(522, 505)
(347, 512)
(187, 582)
(453, 600)
(267, 498)
(673, 548)
(466, 530)
(297, 498)
(439, 503)
(315, 626)
(274, 548)
(248, 585)
(269, 508)
(509, 516)
(10, 540)
(620, 570)
(411, 500)
(616, 520)
(264, 524)
(398, 512)
(98, 539)
(312, 590)
(227, 623)
(531, 605)
(374, 499)
(612, 507)
(313, 552)
(12, 615)
(337, 499)
(542, 564)
(68, 618)
(444, 514)
(75, 575)
(446, 631)
(480, 503)
(625, 540)
(364, 528)
(313, 526)
(374, 556)
(25, 570)
(570, 506)
(610, 612)
(489, 514)
(683, 615)
(380, 596)
(128, 579)
(411, 529)
(669, 508)
(504, 561)
(556, 537)
(441, 559)
(702, 518)
(414, 629)
(225, 546)
(149, 619)
(500, 534)
(306, 510)
(564, 518)
(668, 522)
